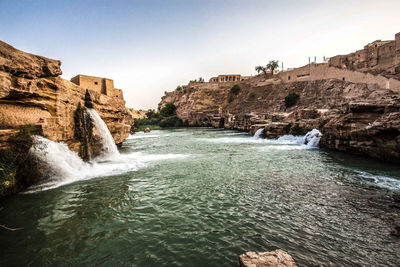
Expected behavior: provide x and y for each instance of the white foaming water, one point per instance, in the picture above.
(137, 136)
(109, 149)
(312, 138)
(61, 166)
(258, 133)
(380, 180)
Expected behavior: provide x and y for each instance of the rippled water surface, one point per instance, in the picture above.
(201, 197)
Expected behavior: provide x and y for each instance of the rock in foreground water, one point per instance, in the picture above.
(277, 258)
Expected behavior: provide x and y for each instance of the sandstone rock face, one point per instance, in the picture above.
(32, 93)
(277, 258)
(25, 65)
(353, 117)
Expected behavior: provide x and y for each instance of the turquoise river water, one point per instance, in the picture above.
(201, 197)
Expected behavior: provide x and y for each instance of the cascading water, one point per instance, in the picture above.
(109, 150)
(312, 138)
(61, 165)
(258, 133)
(58, 163)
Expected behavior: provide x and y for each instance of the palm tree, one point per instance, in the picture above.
(272, 65)
(261, 69)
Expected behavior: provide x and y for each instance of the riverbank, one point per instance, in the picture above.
(196, 196)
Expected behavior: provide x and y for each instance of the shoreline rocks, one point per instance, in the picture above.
(356, 118)
(277, 258)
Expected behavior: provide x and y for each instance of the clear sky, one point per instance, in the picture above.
(149, 47)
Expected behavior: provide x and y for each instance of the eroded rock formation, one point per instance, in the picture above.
(353, 117)
(31, 92)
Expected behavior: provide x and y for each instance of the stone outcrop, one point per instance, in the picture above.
(31, 92)
(277, 258)
(25, 65)
(353, 117)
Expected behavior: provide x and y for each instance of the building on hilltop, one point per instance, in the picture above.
(228, 78)
(378, 57)
(101, 85)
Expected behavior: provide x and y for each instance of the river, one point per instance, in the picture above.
(201, 197)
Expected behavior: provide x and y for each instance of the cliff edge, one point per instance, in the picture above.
(32, 93)
(358, 118)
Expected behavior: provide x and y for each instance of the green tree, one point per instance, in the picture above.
(235, 89)
(261, 69)
(273, 65)
(168, 110)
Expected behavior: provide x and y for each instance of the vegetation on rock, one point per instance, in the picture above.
(200, 80)
(235, 89)
(291, 99)
(17, 166)
(155, 120)
(271, 66)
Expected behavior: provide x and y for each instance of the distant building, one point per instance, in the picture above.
(228, 78)
(101, 85)
(375, 57)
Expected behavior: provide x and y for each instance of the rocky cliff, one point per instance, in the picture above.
(32, 93)
(353, 117)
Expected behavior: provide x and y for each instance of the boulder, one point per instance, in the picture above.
(277, 258)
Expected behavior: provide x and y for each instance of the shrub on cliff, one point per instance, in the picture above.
(235, 90)
(179, 88)
(171, 121)
(17, 166)
(291, 99)
(165, 118)
(168, 110)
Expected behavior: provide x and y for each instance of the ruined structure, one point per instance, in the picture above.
(32, 93)
(357, 110)
(378, 57)
(228, 78)
(100, 85)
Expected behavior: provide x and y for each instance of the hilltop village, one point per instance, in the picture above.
(377, 63)
(353, 99)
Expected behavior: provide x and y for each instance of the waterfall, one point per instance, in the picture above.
(108, 150)
(57, 162)
(59, 165)
(311, 139)
(258, 133)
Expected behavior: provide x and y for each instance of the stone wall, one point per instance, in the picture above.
(321, 71)
(98, 84)
(378, 57)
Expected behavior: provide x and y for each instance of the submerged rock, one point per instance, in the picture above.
(147, 130)
(277, 258)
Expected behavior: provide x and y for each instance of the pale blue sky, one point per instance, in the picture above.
(149, 47)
